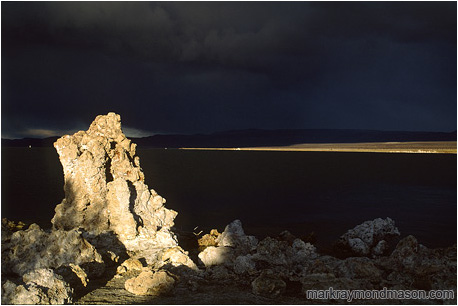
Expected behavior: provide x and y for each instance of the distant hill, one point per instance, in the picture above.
(34, 142)
(257, 138)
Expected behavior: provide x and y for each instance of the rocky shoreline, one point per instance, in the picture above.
(113, 242)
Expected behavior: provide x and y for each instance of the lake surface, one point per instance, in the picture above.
(324, 192)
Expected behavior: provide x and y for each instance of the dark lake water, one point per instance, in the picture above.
(324, 192)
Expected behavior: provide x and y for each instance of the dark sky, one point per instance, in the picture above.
(184, 67)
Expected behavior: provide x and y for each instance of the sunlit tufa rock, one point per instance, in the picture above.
(34, 248)
(41, 286)
(150, 283)
(105, 190)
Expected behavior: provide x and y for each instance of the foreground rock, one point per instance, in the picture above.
(27, 250)
(105, 190)
(370, 237)
(225, 247)
(268, 284)
(282, 271)
(284, 267)
(108, 215)
(41, 286)
(150, 283)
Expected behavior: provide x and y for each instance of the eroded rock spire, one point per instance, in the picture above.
(105, 189)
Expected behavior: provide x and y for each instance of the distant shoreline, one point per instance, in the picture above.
(441, 147)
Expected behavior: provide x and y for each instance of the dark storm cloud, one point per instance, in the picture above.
(205, 66)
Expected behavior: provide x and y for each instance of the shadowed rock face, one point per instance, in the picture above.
(105, 190)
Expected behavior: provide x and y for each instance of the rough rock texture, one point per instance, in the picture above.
(272, 266)
(244, 264)
(268, 284)
(176, 256)
(34, 248)
(209, 239)
(323, 281)
(369, 238)
(243, 255)
(234, 237)
(108, 214)
(41, 286)
(105, 190)
(284, 269)
(228, 245)
(216, 256)
(150, 283)
(358, 268)
(130, 264)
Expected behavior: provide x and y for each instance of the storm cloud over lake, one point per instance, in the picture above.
(174, 67)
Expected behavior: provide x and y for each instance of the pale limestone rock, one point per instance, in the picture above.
(150, 283)
(34, 249)
(80, 274)
(225, 247)
(105, 191)
(302, 251)
(130, 264)
(41, 286)
(209, 239)
(74, 275)
(272, 251)
(176, 256)
(8, 292)
(268, 284)
(234, 236)
(365, 237)
(216, 256)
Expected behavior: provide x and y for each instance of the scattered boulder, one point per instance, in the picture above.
(234, 237)
(272, 251)
(231, 243)
(219, 273)
(131, 264)
(216, 256)
(177, 257)
(150, 283)
(268, 284)
(406, 253)
(74, 275)
(369, 238)
(34, 249)
(243, 254)
(209, 239)
(286, 236)
(302, 251)
(244, 264)
(41, 286)
(12, 226)
(358, 268)
(323, 265)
